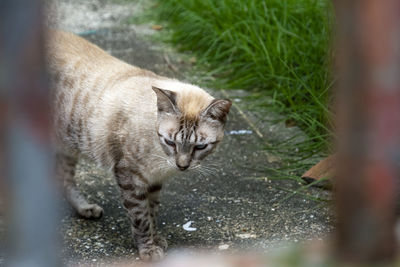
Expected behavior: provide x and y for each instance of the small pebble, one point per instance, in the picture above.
(245, 236)
(187, 226)
(223, 247)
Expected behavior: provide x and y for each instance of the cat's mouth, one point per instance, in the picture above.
(189, 167)
(182, 168)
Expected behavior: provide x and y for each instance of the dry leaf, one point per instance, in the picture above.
(193, 60)
(326, 168)
(156, 27)
(290, 123)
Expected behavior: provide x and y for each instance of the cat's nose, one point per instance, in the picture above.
(182, 168)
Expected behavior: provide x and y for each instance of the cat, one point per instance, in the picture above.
(141, 126)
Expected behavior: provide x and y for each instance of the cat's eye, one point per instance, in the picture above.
(200, 147)
(170, 143)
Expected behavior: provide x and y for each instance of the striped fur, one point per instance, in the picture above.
(142, 126)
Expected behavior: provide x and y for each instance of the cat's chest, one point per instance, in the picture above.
(159, 169)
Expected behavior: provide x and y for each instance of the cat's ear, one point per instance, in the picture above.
(166, 100)
(218, 110)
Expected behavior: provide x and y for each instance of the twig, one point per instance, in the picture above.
(170, 65)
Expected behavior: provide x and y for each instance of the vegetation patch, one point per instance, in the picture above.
(278, 50)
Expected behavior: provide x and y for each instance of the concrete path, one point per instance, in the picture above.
(235, 205)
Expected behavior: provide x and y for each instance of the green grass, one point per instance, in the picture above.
(274, 48)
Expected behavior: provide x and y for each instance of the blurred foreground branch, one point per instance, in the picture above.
(369, 134)
(31, 207)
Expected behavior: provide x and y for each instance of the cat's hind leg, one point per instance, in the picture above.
(65, 166)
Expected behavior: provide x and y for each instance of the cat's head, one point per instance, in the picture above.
(190, 124)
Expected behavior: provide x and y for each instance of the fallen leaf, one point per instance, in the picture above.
(290, 123)
(326, 168)
(156, 27)
(272, 158)
(193, 60)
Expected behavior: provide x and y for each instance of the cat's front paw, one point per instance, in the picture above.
(151, 253)
(161, 242)
(90, 211)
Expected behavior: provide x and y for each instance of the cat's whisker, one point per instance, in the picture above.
(205, 172)
(159, 156)
(200, 173)
(164, 160)
(209, 171)
(195, 167)
(212, 166)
